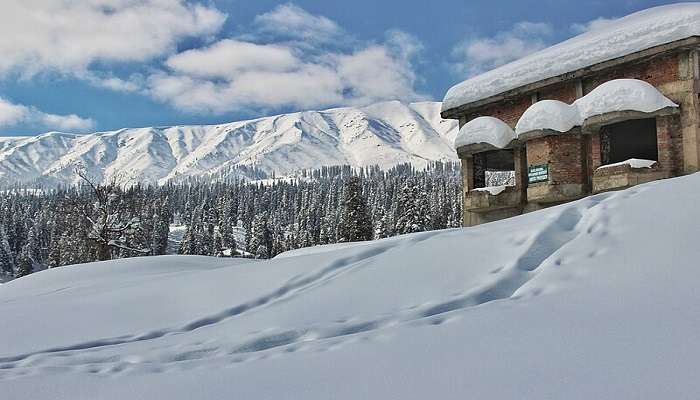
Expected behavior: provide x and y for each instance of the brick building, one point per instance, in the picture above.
(605, 110)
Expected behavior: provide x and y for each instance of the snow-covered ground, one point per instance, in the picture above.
(384, 134)
(596, 299)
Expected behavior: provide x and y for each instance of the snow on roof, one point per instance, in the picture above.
(627, 35)
(549, 114)
(611, 96)
(622, 95)
(488, 130)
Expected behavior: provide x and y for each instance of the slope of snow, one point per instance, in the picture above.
(488, 130)
(581, 301)
(627, 35)
(386, 134)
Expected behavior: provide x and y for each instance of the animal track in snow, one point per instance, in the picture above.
(103, 358)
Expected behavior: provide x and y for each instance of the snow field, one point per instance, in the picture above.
(579, 301)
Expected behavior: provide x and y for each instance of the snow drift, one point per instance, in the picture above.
(594, 299)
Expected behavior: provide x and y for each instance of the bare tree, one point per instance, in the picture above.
(108, 223)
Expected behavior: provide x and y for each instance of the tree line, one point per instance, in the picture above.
(233, 217)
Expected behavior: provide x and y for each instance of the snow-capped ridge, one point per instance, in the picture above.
(384, 134)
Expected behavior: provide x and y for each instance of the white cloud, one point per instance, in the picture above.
(403, 45)
(532, 28)
(235, 74)
(292, 22)
(69, 35)
(372, 74)
(132, 84)
(594, 25)
(290, 59)
(479, 54)
(14, 114)
(228, 58)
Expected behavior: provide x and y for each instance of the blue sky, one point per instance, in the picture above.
(91, 65)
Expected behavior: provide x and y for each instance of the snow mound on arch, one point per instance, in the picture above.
(611, 96)
(622, 95)
(551, 115)
(488, 130)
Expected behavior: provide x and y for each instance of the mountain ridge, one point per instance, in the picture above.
(383, 134)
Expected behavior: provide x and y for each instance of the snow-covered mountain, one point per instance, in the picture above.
(385, 134)
(586, 300)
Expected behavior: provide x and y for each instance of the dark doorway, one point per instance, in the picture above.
(494, 168)
(630, 139)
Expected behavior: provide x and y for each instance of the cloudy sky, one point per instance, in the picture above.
(87, 65)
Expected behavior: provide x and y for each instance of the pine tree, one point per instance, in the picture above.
(384, 225)
(412, 210)
(64, 225)
(261, 240)
(355, 224)
(7, 257)
(161, 228)
(25, 262)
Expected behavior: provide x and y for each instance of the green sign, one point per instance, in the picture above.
(538, 173)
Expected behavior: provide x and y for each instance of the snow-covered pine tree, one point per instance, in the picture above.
(412, 209)
(25, 263)
(355, 223)
(161, 228)
(304, 212)
(7, 257)
(384, 224)
(261, 238)
(188, 244)
(28, 259)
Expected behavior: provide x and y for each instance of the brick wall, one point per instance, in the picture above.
(507, 111)
(563, 154)
(565, 92)
(657, 71)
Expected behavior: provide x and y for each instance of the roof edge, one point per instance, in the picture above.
(689, 43)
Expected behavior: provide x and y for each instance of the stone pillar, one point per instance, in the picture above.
(595, 152)
(690, 131)
(690, 111)
(669, 144)
(467, 163)
(520, 159)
